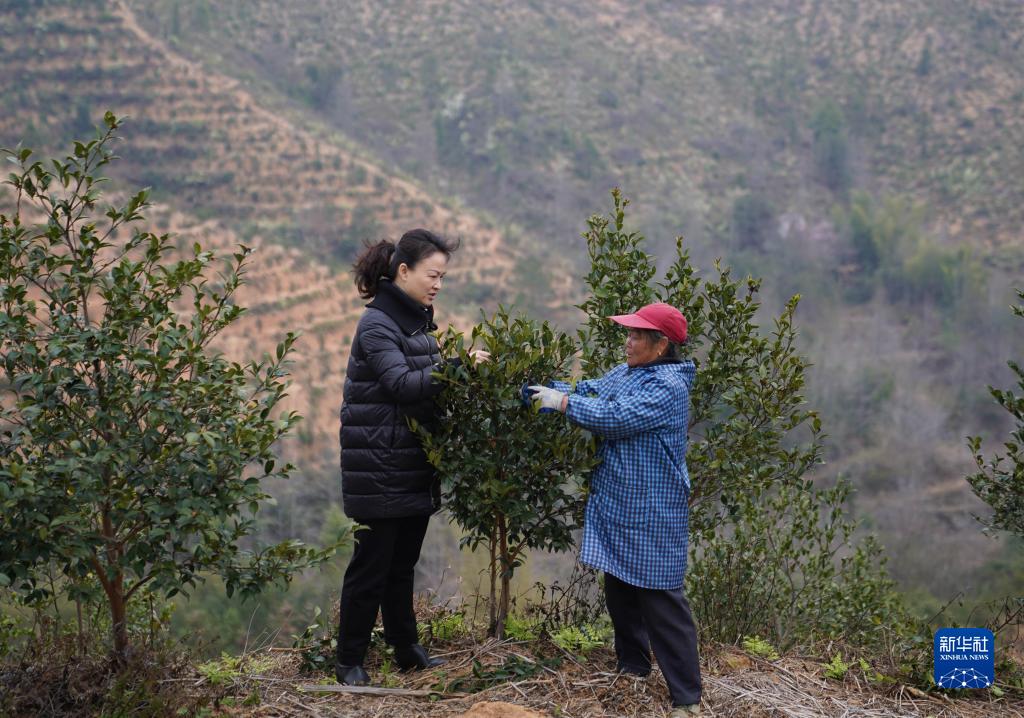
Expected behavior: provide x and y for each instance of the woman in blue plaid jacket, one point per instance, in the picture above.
(636, 525)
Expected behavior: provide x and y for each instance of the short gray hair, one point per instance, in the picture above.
(653, 336)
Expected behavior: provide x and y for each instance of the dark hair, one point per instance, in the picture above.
(383, 258)
(653, 336)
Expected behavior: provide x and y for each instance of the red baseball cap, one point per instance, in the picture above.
(659, 316)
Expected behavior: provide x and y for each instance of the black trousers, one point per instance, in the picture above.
(380, 576)
(644, 618)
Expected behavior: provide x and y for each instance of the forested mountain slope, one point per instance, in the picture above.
(534, 109)
(866, 155)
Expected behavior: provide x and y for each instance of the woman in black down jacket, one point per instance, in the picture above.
(387, 483)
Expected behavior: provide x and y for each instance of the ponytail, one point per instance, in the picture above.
(373, 263)
(381, 260)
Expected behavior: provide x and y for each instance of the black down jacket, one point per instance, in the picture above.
(384, 470)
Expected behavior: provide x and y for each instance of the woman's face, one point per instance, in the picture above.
(641, 350)
(423, 281)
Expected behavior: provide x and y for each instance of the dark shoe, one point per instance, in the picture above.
(415, 658)
(351, 675)
(634, 671)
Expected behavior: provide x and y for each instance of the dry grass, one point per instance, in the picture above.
(61, 676)
(734, 685)
(58, 679)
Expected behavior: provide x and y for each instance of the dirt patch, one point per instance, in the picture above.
(500, 709)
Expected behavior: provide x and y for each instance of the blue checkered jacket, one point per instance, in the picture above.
(637, 517)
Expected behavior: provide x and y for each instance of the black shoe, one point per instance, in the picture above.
(351, 675)
(633, 671)
(415, 658)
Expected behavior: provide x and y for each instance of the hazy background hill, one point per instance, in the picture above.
(533, 109)
(866, 154)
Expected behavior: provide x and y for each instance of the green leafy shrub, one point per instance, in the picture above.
(133, 453)
(999, 481)
(581, 640)
(837, 667)
(759, 647)
(447, 627)
(522, 629)
(772, 552)
(513, 480)
(222, 670)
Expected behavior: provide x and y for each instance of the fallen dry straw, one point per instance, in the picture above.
(735, 686)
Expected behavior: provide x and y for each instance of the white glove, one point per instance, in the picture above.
(547, 397)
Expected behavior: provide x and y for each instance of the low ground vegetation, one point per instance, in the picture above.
(544, 672)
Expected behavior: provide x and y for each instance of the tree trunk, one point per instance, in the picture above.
(506, 577)
(492, 604)
(81, 627)
(506, 589)
(119, 619)
(113, 586)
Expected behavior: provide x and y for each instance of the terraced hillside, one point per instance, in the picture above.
(225, 170)
(206, 145)
(534, 109)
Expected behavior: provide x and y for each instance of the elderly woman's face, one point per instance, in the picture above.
(641, 350)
